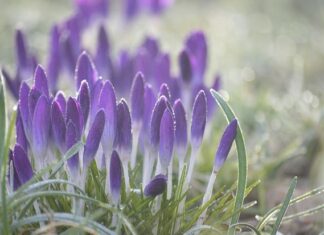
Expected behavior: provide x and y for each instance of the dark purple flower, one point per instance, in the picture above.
(156, 186)
(60, 99)
(94, 138)
(20, 133)
(95, 98)
(225, 144)
(137, 98)
(85, 70)
(198, 120)
(167, 130)
(196, 46)
(123, 139)
(181, 132)
(12, 174)
(21, 164)
(33, 97)
(84, 100)
(108, 103)
(58, 126)
(185, 66)
(160, 106)
(115, 176)
(41, 128)
(71, 138)
(40, 83)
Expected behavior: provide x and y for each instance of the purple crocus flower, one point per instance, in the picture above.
(74, 114)
(93, 138)
(167, 129)
(40, 81)
(20, 133)
(90, 9)
(85, 70)
(149, 102)
(225, 144)
(108, 103)
(123, 139)
(185, 66)
(115, 176)
(198, 120)
(131, 8)
(137, 98)
(22, 168)
(181, 132)
(164, 90)
(160, 106)
(60, 99)
(84, 100)
(156, 186)
(40, 129)
(59, 127)
(196, 46)
(71, 138)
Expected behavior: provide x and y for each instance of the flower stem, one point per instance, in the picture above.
(169, 183)
(126, 177)
(136, 132)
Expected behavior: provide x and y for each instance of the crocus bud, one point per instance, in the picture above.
(137, 98)
(71, 138)
(185, 66)
(196, 45)
(73, 113)
(103, 60)
(115, 176)
(21, 164)
(93, 138)
(164, 90)
(108, 103)
(24, 108)
(181, 132)
(160, 106)
(41, 83)
(60, 99)
(21, 50)
(85, 70)
(84, 100)
(167, 129)
(41, 128)
(54, 60)
(95, 98)
(33, 97)
(58, 126)
(198, 120)
(225, 144)
(123, 139)
(156, 186)
(149, 102)
(20, 133)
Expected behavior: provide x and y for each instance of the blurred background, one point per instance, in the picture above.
(271, 58)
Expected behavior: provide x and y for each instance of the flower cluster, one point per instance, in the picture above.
(124, 107)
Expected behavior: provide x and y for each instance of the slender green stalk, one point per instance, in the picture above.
(242, 159)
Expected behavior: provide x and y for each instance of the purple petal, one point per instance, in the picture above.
(33, 97)
(69, 53)
(162, 69)
(123, 139)
(167, 130)
(181, 132)
(41, 127)
(71, 138)
(12, 84)
(73, 113)
(54, 59)
(20, 133)
(175, 89)
(115, 176)
(60, 99)
(196, 45)
(160, 106)
(21, 164)
(164, 90)
(95, 98)
(131, 8)
(103, 60)
(24, 107)
(185, 66)
(58, 126)
(16, 181)
(85, 70)
(156, 186)
(84, 100)
(198, 120)
(137, 98)
(93, 138)
(125, 73)
(21, 50)
(41, 81)
(152, 46)
(225, 144)
(108, 104)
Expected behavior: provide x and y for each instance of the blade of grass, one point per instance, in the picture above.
(251, 227)
(4, 204)
(3, 118)
(284, 206)
(242, 160)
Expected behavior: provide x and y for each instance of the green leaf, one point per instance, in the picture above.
(284, 206)
(242, 160)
